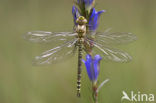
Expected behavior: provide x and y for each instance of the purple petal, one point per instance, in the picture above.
(88, 64)
(94, 19)
(92, 66)
(97, 59)
(75, 13)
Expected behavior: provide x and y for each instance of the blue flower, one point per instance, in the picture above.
(92, 66)
(94, 19)
(75, 13)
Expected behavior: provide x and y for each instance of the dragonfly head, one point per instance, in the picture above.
(81, 20)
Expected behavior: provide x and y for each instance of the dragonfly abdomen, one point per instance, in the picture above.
(79, 69)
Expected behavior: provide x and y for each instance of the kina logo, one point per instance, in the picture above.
(137, 97)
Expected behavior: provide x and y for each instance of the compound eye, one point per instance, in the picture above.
(81, 18)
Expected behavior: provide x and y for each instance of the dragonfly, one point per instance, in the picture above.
(80, 40)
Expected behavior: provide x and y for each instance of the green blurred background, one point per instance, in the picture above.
(20, 82)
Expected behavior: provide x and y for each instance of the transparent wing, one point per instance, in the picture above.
(111, 54)
(114, 38)
(45, 37)
(57, 54)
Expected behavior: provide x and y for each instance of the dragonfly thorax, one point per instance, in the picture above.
(81, 27)
(81, 30)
